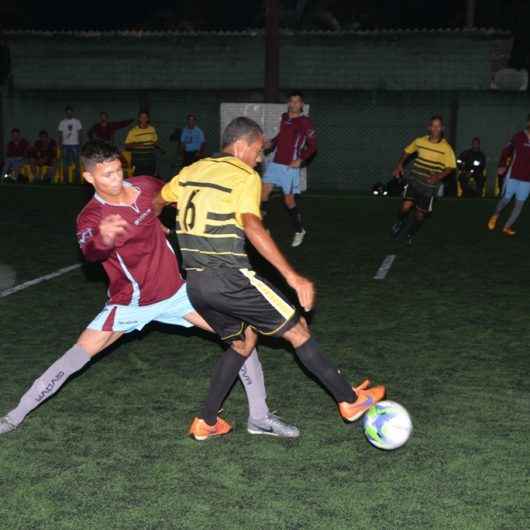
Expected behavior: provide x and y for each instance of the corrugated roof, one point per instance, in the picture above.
(489, 32)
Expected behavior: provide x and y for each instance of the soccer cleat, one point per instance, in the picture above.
(508, 231)
(298, 238)
(396, 228)
(366, 397)
(410, 240)
(492, 223)
(272, 425)
(200, 430)
(6, 425)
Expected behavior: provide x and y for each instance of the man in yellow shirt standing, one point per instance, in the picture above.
(435, 160)
(218, 201)
(142, 141)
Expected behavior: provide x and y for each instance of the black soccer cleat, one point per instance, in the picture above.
(396, 228)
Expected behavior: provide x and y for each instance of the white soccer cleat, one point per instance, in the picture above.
(298, 238)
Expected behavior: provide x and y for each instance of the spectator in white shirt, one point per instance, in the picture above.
(70, 137)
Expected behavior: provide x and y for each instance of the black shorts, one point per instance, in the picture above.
(421, 195)
(231, 299)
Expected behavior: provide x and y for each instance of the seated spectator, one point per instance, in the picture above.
(142, 141)
(16, 154)
(472, 167)
(44, 157)
(105, 129)
(192, 141)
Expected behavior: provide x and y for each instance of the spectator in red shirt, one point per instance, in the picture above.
(517, 181)
(105, 129)
(294, 145)
(16, 153)
(44, 155)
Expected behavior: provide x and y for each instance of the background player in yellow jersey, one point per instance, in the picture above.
(218, 201)
(435, 160)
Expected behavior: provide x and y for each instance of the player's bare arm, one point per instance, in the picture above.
(265, 245)
(159, 204)
(439, 177)
(398, 172)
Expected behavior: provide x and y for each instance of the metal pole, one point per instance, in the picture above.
(471, 7)
(272, 51)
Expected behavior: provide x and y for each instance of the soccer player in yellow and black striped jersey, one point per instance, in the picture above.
(435, 160)
(218, 202)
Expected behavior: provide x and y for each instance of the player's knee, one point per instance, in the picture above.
(298, 334)
(246, 346)
(289, 200)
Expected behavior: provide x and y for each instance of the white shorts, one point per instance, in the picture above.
(285, 177)
(128, 318)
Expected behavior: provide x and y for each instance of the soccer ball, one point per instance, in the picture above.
(387, 425)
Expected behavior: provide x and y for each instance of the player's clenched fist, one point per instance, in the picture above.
(111, 228)
(304, 289)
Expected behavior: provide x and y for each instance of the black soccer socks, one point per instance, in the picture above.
(321, 367)
(223, 377)
(296, 219)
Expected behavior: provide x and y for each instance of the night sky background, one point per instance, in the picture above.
(242, 14)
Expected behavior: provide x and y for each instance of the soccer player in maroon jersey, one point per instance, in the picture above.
(119, 228)
(517, 182)
(295, 144)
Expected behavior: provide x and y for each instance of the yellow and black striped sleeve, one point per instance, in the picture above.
(450, 159)
(247, 197)
(412, 147)
(170, 192)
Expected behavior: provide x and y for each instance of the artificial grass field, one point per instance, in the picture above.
(447, 331)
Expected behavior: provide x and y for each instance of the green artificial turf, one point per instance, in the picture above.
(447, 331)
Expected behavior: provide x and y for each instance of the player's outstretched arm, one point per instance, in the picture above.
(265, 245)
(398, 171)
(159, 204)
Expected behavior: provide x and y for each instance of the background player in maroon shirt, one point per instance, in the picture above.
(118, 227)
(105, 129)
(517, 181)
(295, 144)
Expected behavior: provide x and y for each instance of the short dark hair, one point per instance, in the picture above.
(437, 117)
(15, 130)
(241, 127)
(294, 93)
(97, 151)
(67, 108)
(191, 115)
(43, 132)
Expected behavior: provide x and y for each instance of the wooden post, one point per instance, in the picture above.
(272, 51)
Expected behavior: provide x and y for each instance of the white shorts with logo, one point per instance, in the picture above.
(128, 318)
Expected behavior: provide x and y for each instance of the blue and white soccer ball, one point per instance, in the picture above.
(387, 425)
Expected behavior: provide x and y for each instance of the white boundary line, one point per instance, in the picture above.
(40, 279)
(385, 267)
